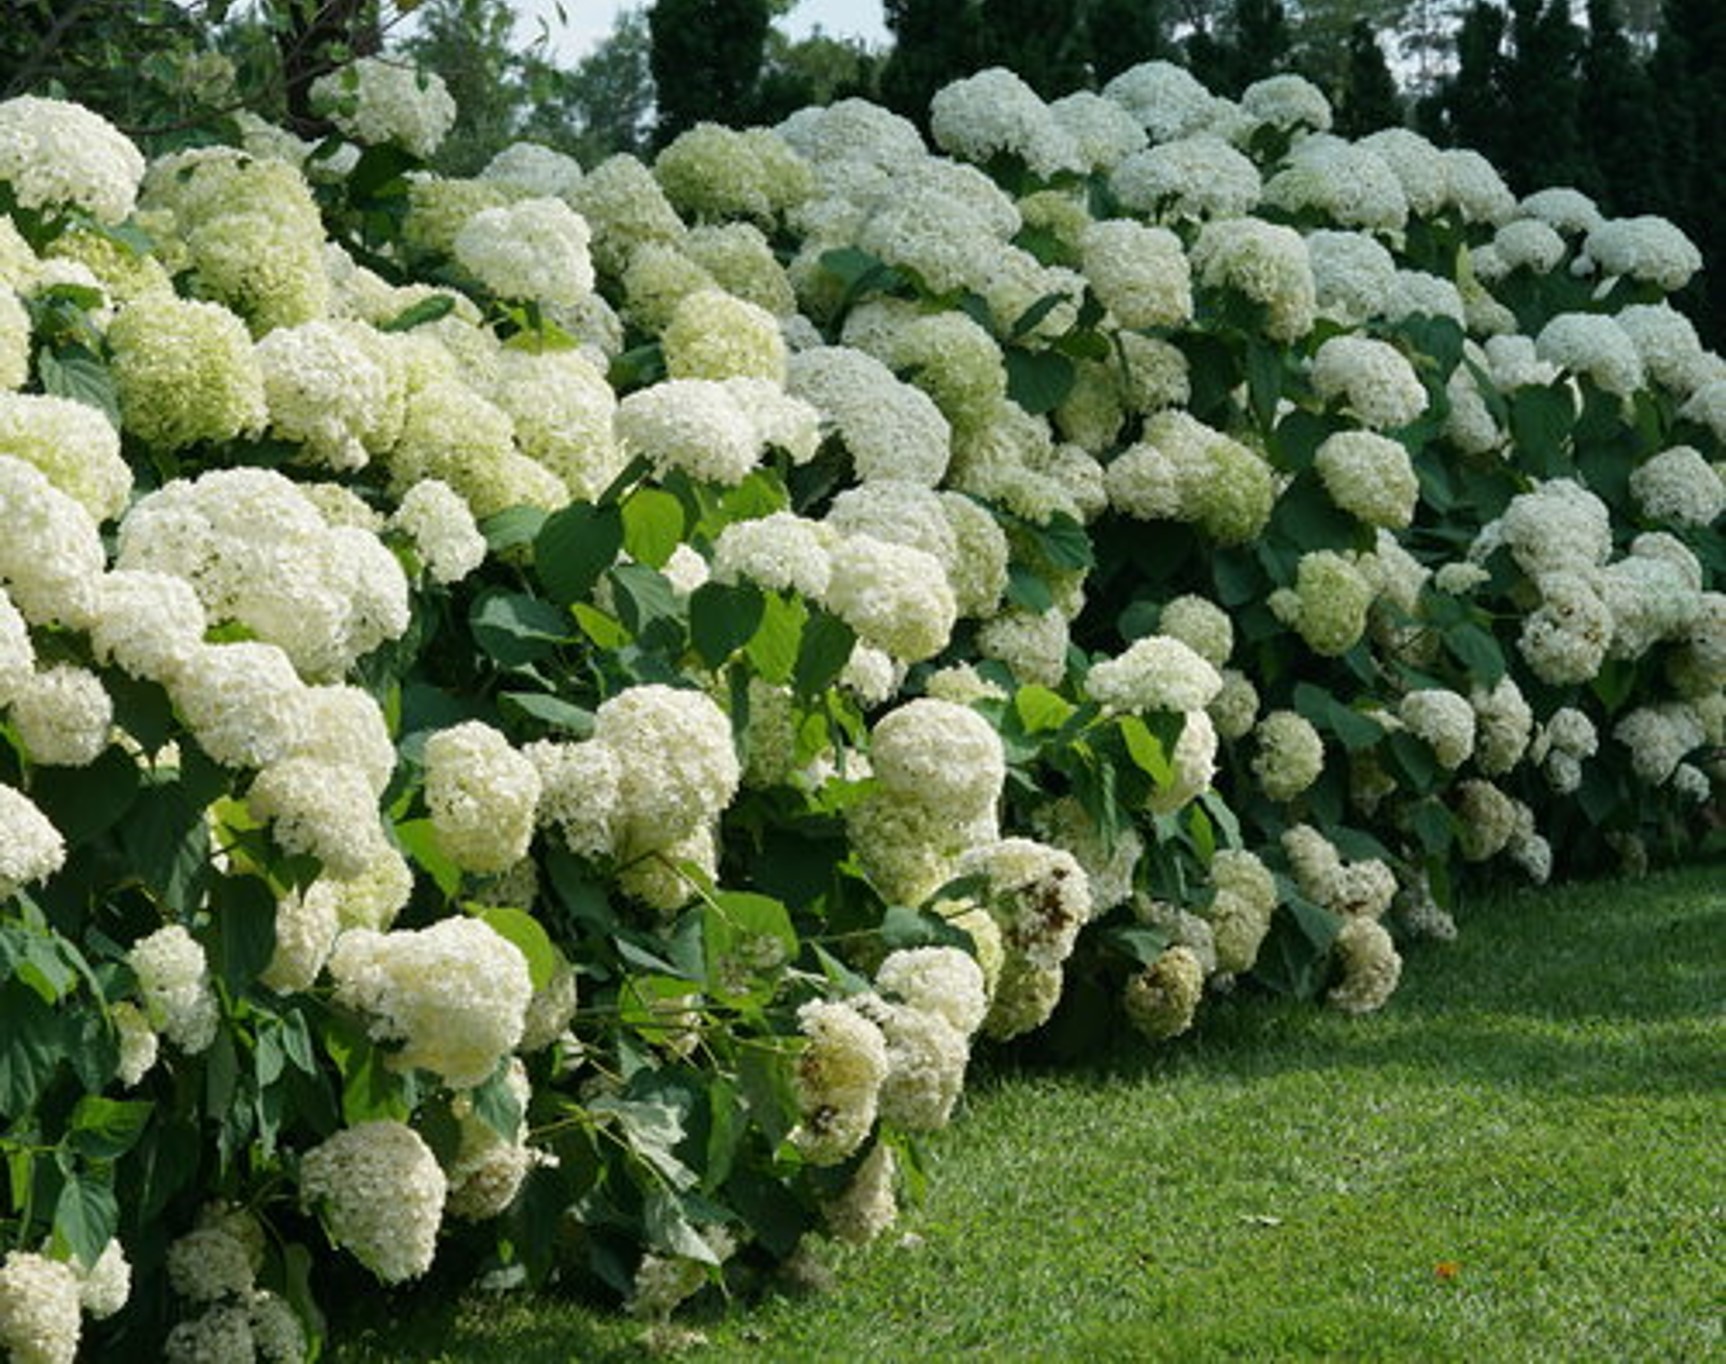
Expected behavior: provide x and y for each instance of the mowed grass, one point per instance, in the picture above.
(1522, 1158)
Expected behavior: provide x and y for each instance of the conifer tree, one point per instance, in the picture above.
(1042, 41)
(934, 42)
(1625, 141)
(1541, 143)
(706, 61)
(1369, 98)
(1119, 34)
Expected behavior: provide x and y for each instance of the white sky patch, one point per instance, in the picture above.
(575, 27)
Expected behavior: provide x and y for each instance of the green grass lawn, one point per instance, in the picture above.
(1522, 1158)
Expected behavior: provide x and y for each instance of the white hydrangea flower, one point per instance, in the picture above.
(63, 715)
(1659, 737)
(943, 981)
(1157, 672)
(73, 444)
(1418, 164)
(1444, 720)
(222, 1332)
(105, 1286)
(1486, 820)
(695, 425)
(374, 100)
(1558, 526)
(207, 1264)
(1162, 1000)
(327, 810)
(1565, 638)
(1192, 178)
(1328, 604)
(186, 372)
(1139, 273)
(1372, 377)
(244, 702)
(1672, 353)
(926, 1060)
(867, 1207)
(677, 768)
(578, 793)
(442, 528)
(1595, 345)
(1234, 709)
(1679, 485)
(1474, 187)
(891, 429)
(838, 1079)
(1265, 262)
(1104, 131)
(174, 983)
(51, 557)
(1240, 912)
(1348, 184)
(1361, 889)
(1039, 896)
(895, 597)
(532, 249)
(1370, 965)
(1504, 726)
(382, 1195)
(1568, 211)
(992, 112)
(534, 169)
(1525, 244)
(482, 795)
(31, 848)
(329, 389)
(39, 1317)
(1369, 476)
(455, 994)
(57, 155)
(1290, 755)
(138, 1043)
(941, 755)
(1165, 98)
(1287, 101)
(1646, 248)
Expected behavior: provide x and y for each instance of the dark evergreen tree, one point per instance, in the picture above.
(1689, 78)
(1625, 142)
(706, 61)
(1369, 99)
(1042, 41)
(934, 42)
(1541, 143)
(1254, 43)
(1119, 34)
(1468, 109)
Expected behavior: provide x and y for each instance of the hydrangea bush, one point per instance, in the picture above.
(543, 717)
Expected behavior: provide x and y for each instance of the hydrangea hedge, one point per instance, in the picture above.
(543, 716)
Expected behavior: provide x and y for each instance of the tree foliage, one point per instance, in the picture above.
(706, 61)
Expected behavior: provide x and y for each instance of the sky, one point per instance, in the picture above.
(586, 22)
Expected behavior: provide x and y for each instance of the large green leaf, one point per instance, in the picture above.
(1038, 380)
(722, 619)
(574, 547)
(516, 629)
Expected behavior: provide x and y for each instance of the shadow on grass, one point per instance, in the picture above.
(1622, 995)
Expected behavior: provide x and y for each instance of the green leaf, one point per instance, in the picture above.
(1297, 439)
(822, 653)
(77, 374)
(1027, 589)
(428, 309)
(653, 1129)
(775, 645)
(166, 842)
(496, 1104)
(419, 841)
(548, 710)
(574, 547)
(370, 1089)
(1038, 381)
(1540, 424)
(1040, 709)
(34, 1046)
(1477, 651)
(1138, 944)
(649, 607)
(1065, 543)
(515, 629)
(86, 1215)
(105, 1129)
(670, 1229)
(722, 619)
(529, 936)
(653, 525)
(1027, 321)
(1264, 381)
(244, 913)
(1150, 741)
(1433, 825)
(902, 926)
(512, 528)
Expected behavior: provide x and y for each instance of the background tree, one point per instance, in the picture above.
(1542, 140)
(605, 104)
(1625, 140)
(1368, 98)
(1323, 33)
(1119, 34)
(934, 42)
(1253, 42)
(471, 45)
(1043, 41)
(706, 59)
(1688, 70)
(813, 70)
(1468, 106)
